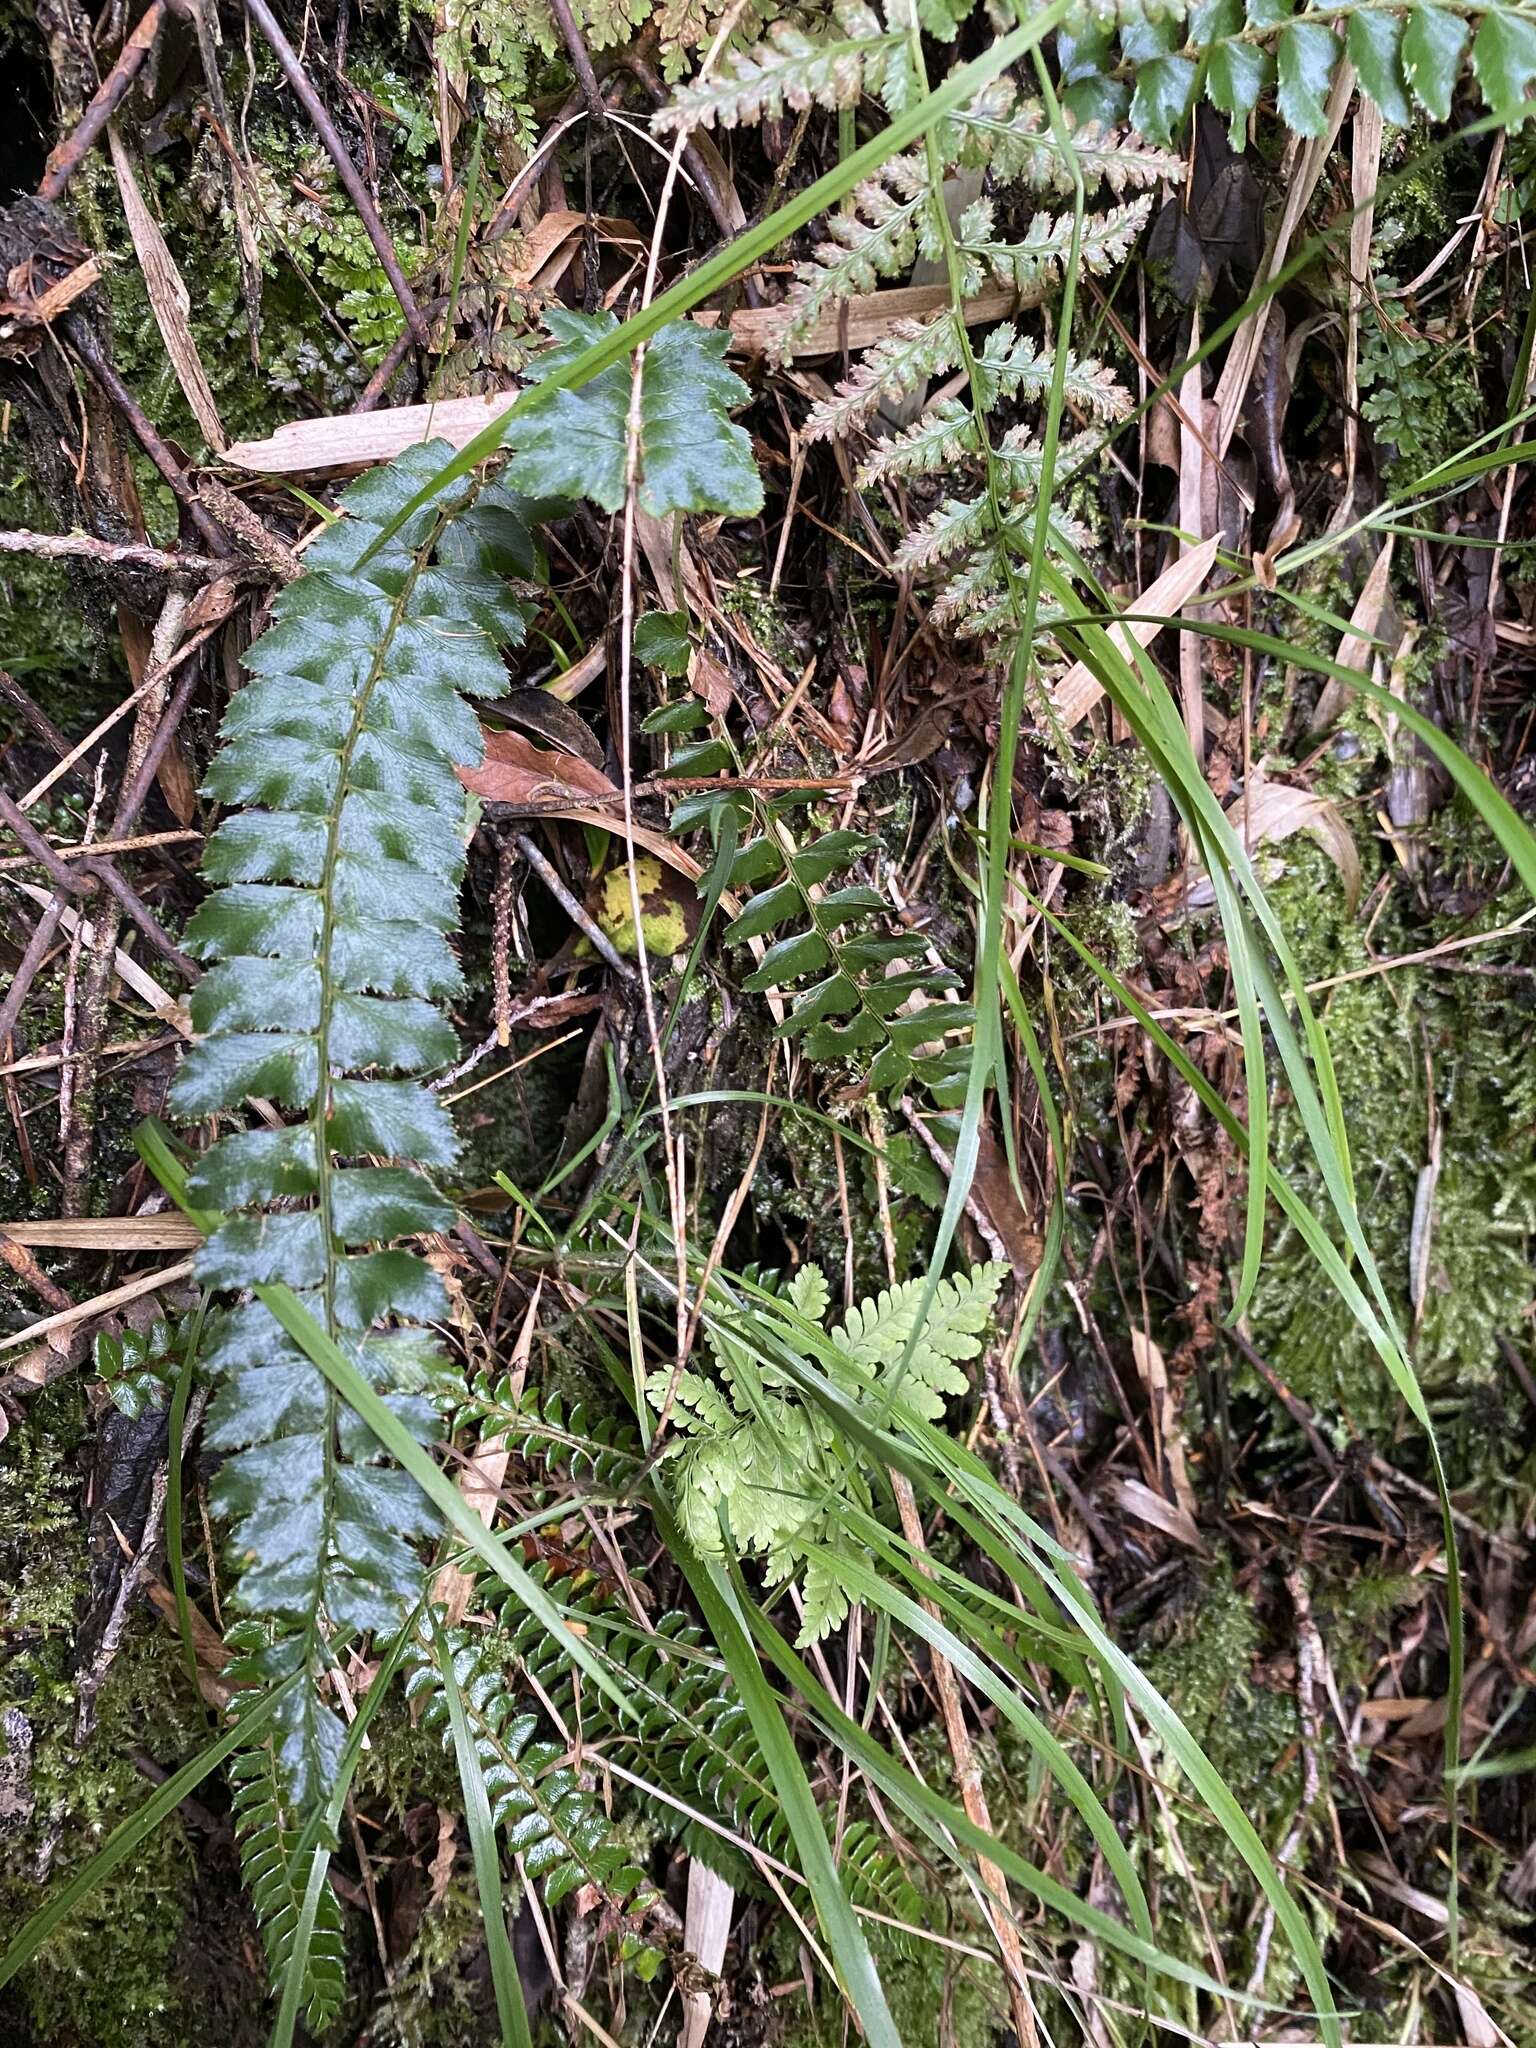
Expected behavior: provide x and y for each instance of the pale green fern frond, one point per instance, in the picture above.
(1046, 245)
(876, 1336)
(796, 68)
(1011, 137)
(888, 224)
(902, 361)
(768, 1474)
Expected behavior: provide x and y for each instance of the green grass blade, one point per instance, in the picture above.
(845, 1937)
(510, 2009)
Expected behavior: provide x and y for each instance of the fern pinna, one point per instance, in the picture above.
(687, 1751)
(337, 878)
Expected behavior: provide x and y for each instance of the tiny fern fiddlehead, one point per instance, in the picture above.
(336, 886)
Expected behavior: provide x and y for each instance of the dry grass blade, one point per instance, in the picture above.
(1079, 690)
(169, 299)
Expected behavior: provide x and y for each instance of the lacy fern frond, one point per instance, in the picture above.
(875, 1335)
(761, 1470)
(904, 360)
(796, 68)
(901, 214)
(336, 886)
(1011, 137)
(888, 224)
(1047, 243)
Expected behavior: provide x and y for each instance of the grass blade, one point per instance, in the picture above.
(510, 2009)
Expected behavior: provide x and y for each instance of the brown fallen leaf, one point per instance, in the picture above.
(535, 779)
(169, 299)
(1355, 649)
(1078, 691)
(1274, 811)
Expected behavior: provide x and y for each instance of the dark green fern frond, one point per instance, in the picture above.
(857, 992)
(337, 881)
(548, 1817)
(276, 1878)
(690, 1743)
(600, 1452)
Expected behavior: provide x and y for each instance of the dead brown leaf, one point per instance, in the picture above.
(534, 779)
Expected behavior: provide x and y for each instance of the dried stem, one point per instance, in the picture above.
(66, 159)
(346, 170)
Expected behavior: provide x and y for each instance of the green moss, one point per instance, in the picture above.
(1404, 1042)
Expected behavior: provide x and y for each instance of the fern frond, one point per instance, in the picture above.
(276, 1880)
(796, 69)
(1011, 137)
(944, 434)
(764, 1471)
(595, 1451)
(964, 527)
(912, 353)
(1014, 365)
(829, 952)
(887, 225)
(1047, 243)
(549, 1818)
(336, 884)
(875, 1335)
(975, 599)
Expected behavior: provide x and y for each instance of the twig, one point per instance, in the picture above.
(946, 1166)
(74, 882)
(26, 1268)
(575, 911)
(144, 842)
(1376, 1464)
(117, 554)
(1309, 1659)
(31, 960)
(35, 716)
(376, 389)
(501, 942)
(115, 1297)
(66, 159)
(581, 62)
(346, 170)
(693, 163)
(78, 333)
(89, 1682)
(134, 908)
(138, 785)
(58, 872)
